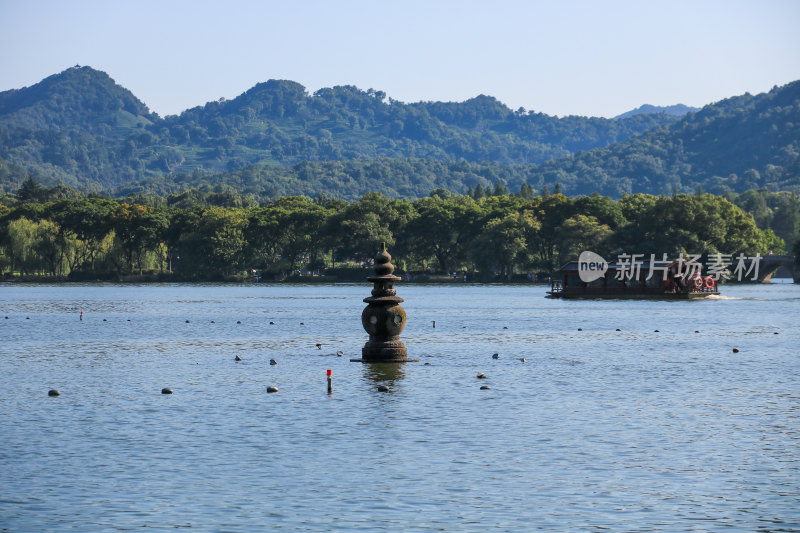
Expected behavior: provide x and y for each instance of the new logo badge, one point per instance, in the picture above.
(591, 266)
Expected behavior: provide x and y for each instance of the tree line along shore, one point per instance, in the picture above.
(486, 236)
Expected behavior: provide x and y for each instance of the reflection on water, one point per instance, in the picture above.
(635, 429)
(386, 373)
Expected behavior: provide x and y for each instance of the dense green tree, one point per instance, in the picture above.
(216, 245)
(31, 191)
(138, 229)
(20, 244)
(501, 243)
(583, 232)
(88, 220)
(444, 228)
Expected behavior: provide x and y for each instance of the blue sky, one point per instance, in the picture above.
(597, 58)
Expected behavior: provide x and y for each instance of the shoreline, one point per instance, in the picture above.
(303, 280)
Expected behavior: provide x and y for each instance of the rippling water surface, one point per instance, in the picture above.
(631, 430)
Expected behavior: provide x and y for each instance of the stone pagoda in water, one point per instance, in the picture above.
(383, 318)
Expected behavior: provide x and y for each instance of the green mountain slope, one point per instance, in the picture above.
(80, 128)
(736, 144)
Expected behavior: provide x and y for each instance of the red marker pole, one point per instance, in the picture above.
(81, 315)
(330, 384)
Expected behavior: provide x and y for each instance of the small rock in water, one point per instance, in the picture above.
(485, 387)
(495, 356)
(272, 388)
(53, 392)
(166, 390)
(273, 362)
(481, 375)
(736, 350)
(237, 358)
(383, 388)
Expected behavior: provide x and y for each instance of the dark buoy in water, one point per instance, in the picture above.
(505, 327)
(580, 329)
(238, 321)
(619, 329)
(273, 362)
(237, 358)
(104, 320)
(166, 390)
(53, 392)
(272, 323)
(427, 364)
(697, 331)
(735, 350)
(775, 333)
(383, 388)
(187, 321)
(302, 323)
(656, 331)
(495, 356)
(523, 360)
(319, 346)
(28, 318)
(481, 375)
(272, 388)
(340, 353)
(485, 387)
(213, 322)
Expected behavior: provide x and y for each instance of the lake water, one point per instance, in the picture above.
(600, 430)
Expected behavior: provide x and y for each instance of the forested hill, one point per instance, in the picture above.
(744, 142)
(80, 128)
(741, 143)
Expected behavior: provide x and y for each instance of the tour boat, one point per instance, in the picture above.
(666, 280)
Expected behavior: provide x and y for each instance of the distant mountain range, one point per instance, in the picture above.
(677, 110)
(81, 129)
